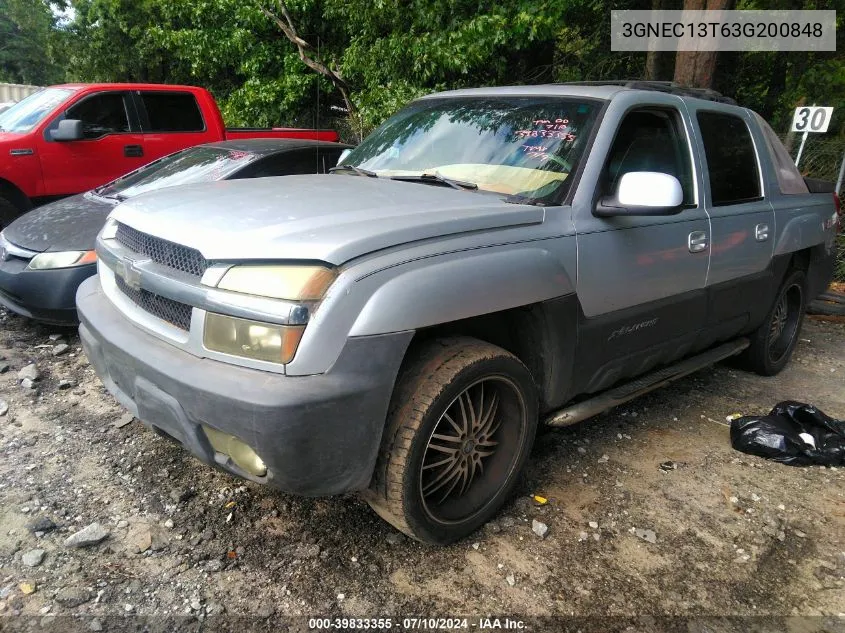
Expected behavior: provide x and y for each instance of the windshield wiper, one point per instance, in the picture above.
(436, 178)
(357, 170)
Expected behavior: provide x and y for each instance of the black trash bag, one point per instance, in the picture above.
(793, 433)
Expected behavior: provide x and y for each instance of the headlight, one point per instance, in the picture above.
(294, 283)
(251, 339)
(62, 259)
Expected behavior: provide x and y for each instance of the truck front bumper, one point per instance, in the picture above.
(317, 435)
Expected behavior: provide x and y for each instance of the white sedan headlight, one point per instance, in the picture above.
(62, 259)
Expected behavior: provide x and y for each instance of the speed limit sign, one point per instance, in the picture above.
(811, 119)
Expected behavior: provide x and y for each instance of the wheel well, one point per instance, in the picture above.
(541, 335)
(14, 195)
(800, 260)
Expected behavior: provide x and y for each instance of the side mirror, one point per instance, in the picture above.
(343, 156)
(643, 193)
(68, 130)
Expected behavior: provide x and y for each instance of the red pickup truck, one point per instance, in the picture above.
(71, 138)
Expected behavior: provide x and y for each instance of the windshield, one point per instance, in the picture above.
(26, 114)
(193, 165)
(525, 146)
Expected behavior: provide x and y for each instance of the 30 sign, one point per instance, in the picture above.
(811, 119)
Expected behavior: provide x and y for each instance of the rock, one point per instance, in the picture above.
(214, 608)
(128, 608)
(27, 587)
(214, 565)
(61, 348)
(95, 625)
(73, 596)
(4, 367)
(510, 579)
(64, 383)
(90, 535)
(583, 536)
(394, 538)
(55, 337)
(306, 551)
(78, 392)
(169, 523)
(646, 535)
(30, 372)
(28, 383)
(139, 539)
(42, 524)
(33, 557)
(508, 522)
(265, 610)
(196, 605)
(539, 528)
(123, 420)
(668, 466)
(4, 407)
(582, 450)
(593, 525)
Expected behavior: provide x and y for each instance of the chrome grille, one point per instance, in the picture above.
(174, 312)
(182, 258)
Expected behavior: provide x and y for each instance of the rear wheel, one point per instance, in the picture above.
(774, 341)
(459, 431)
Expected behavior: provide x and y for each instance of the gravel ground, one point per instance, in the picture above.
(712, 533)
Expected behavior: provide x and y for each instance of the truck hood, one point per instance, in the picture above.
(331, 218)
(70, 224)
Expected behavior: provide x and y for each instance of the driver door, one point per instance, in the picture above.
(641, 279)
(110, 148)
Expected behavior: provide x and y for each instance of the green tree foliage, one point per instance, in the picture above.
(29, 42)
(390, 51)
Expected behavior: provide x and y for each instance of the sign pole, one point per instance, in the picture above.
(801, 148)
(841, 175)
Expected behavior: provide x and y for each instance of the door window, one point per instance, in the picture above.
(731, 159)
(650, 140)
(101, 114)
(172, 112)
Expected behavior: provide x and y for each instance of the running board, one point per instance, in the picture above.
(639, 386)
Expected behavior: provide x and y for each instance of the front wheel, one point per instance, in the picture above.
(773, 342)
(460, 427)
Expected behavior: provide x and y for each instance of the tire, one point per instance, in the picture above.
(8, 212)
(439, 501)
(774, 341)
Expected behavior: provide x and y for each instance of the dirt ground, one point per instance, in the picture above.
(734, 535)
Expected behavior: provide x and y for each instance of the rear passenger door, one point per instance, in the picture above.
(170, 120)
(742, 220)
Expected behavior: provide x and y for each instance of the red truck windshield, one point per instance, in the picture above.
(26, 114)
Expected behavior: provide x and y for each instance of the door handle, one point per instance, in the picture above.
(133, 151)
(697, 241)
(761, 232)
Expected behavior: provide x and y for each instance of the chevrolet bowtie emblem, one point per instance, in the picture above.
(127, 271)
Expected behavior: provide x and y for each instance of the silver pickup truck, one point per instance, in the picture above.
(486, 261)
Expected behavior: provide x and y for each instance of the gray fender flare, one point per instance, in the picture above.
(450, 288)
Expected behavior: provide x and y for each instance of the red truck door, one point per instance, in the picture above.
(111, 145)
(172, 120)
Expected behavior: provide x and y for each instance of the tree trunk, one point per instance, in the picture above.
(696, 68)
(656, 62)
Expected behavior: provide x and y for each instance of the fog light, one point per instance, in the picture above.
(236, 450)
